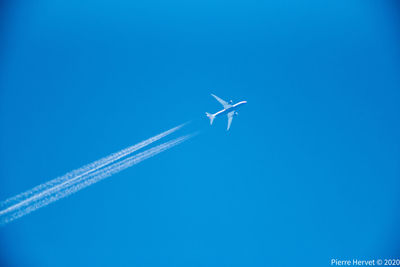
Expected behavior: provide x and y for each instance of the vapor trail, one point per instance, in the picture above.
(72, 186)
(27, 196)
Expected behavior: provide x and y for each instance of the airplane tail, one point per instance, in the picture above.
(211, 117)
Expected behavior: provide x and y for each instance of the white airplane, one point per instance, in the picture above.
(229, 108)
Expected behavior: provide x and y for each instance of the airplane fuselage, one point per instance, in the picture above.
(234, 107)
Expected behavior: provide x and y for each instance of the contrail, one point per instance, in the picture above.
(72, 186)
(83, 170)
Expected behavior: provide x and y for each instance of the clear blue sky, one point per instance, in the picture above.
(308, 172)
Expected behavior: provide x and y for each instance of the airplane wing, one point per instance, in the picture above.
(223, 102)
(230, 117)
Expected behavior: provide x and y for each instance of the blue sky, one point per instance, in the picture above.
(308, 172)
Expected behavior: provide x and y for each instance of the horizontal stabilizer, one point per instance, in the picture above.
(211, 117)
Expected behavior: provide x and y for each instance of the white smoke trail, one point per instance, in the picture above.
(10, 202)
(72, 186)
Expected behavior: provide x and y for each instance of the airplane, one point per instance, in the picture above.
(229, 108)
